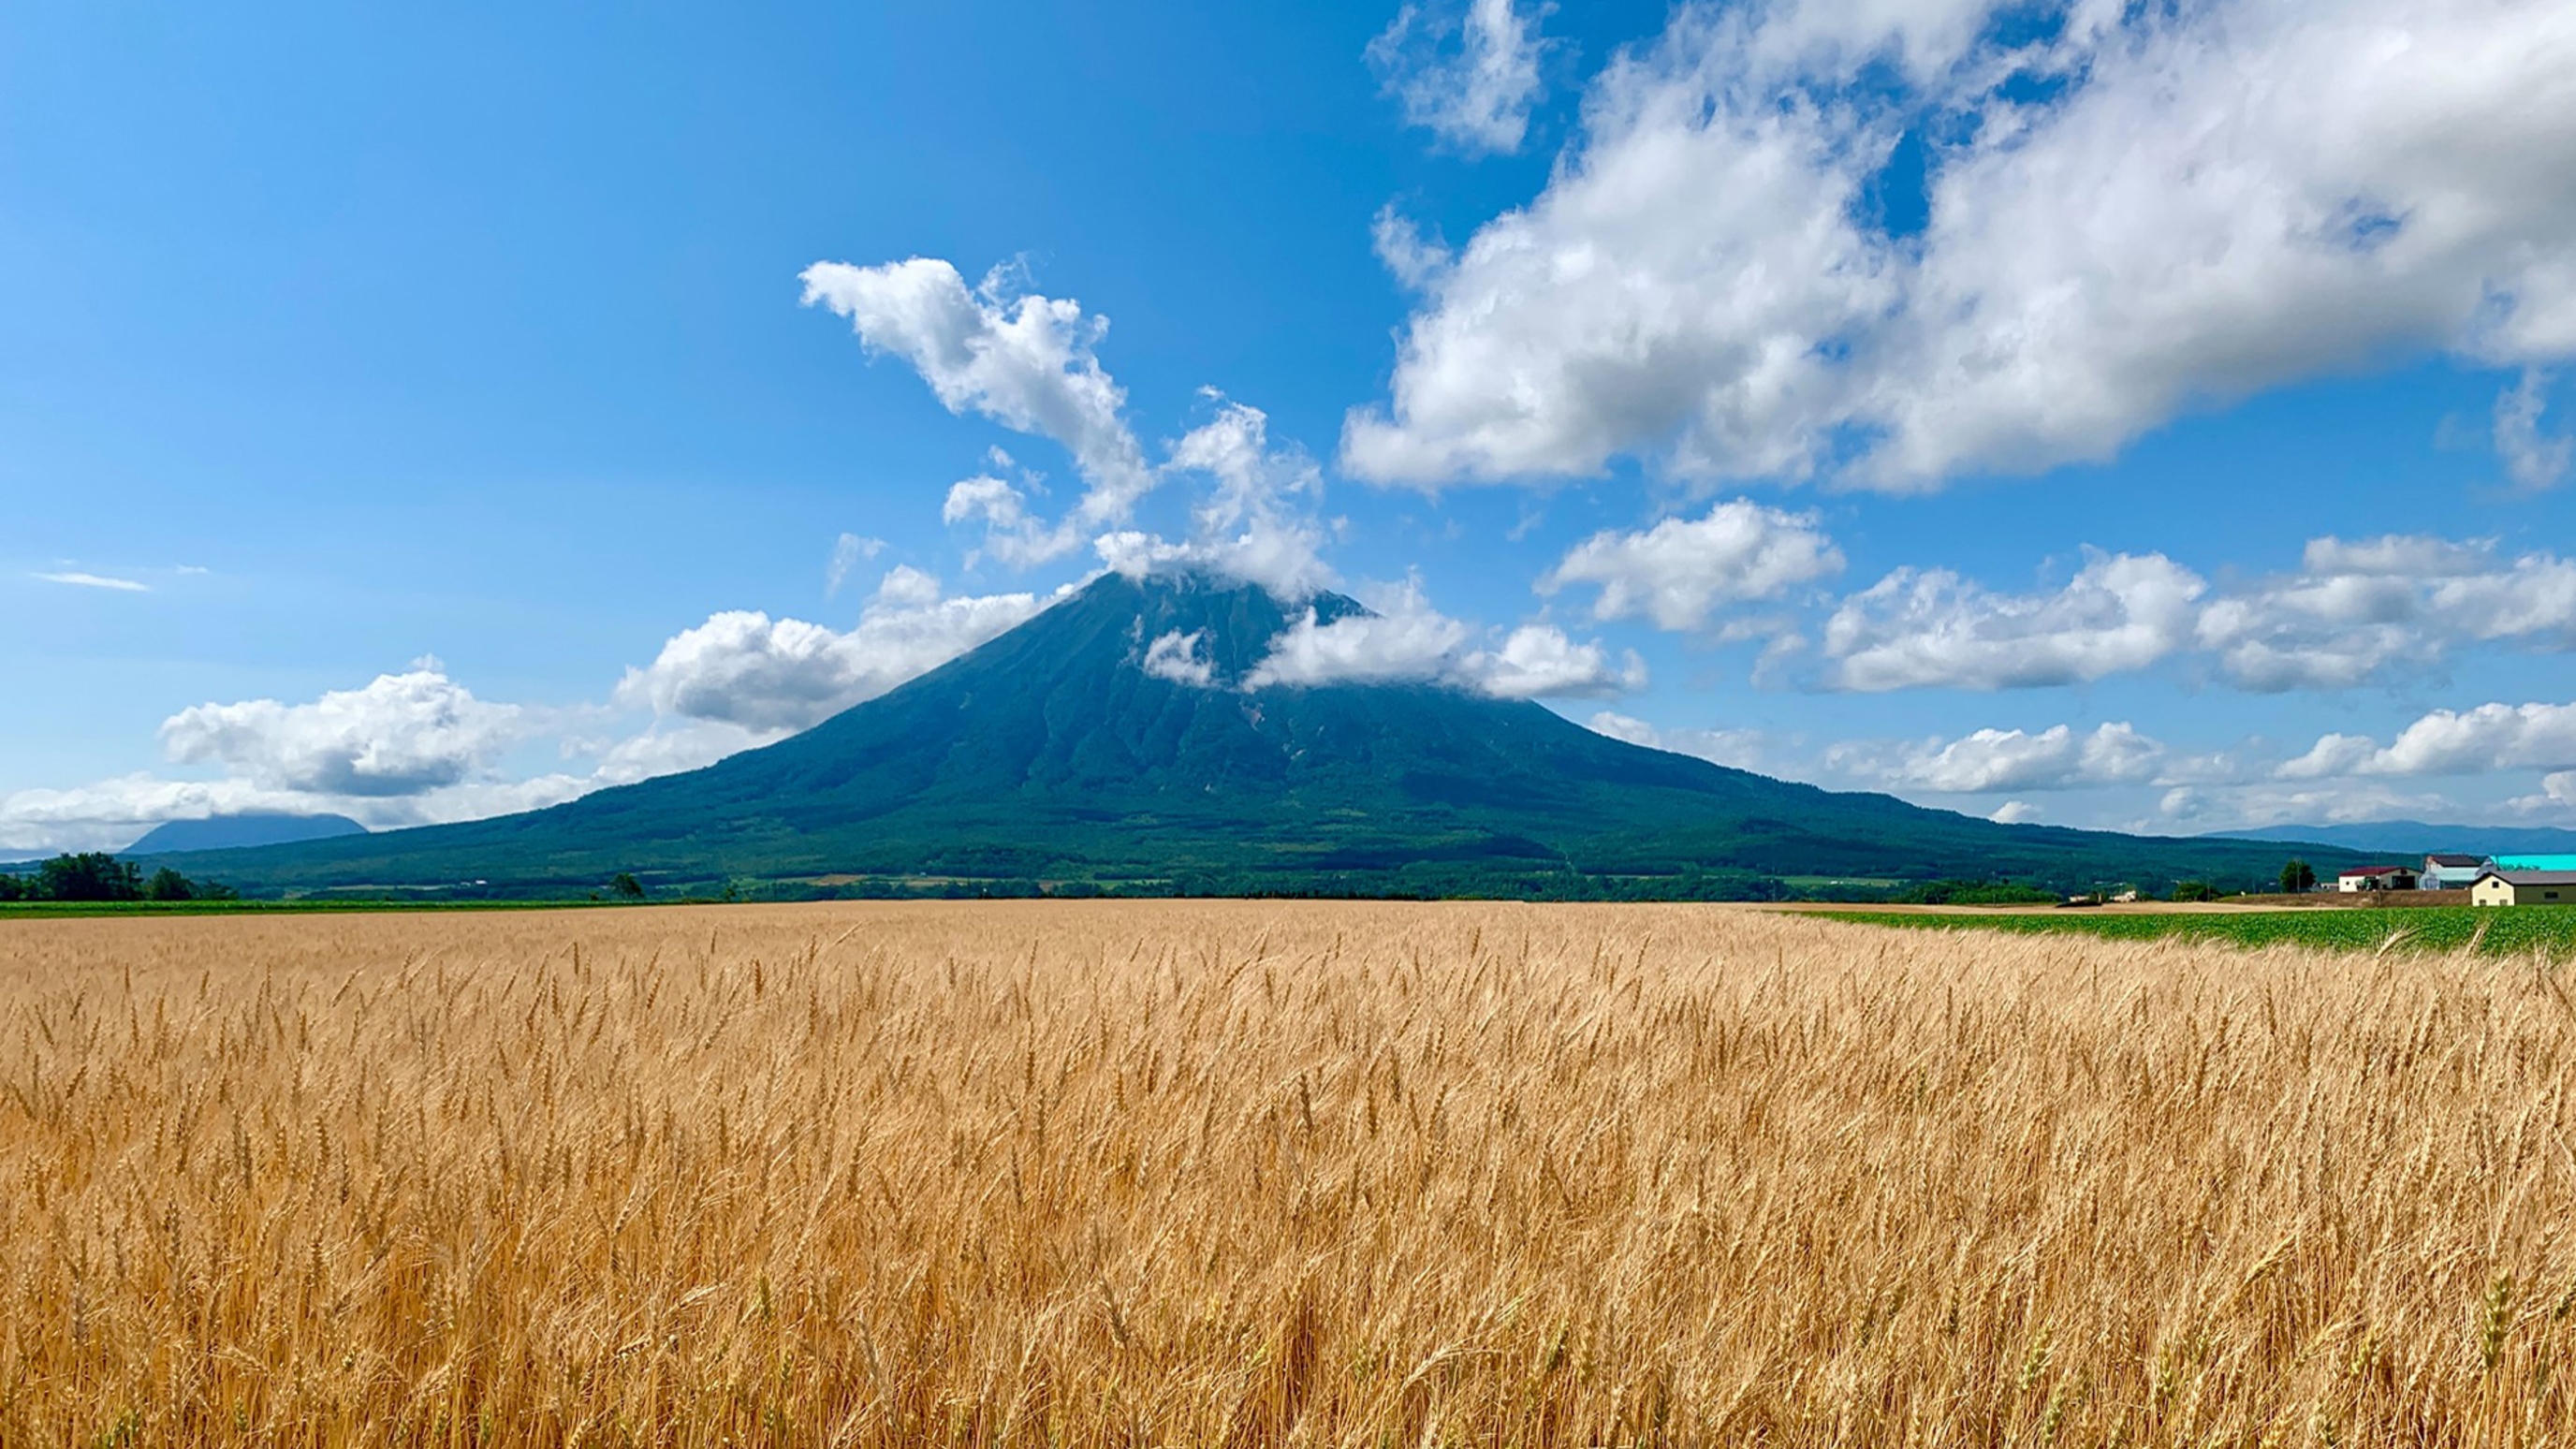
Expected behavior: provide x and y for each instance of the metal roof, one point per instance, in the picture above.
(2534, 877)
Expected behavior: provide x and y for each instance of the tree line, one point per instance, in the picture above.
(95, 876)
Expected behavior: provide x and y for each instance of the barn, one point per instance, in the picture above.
(2524, 888)
(2453, 872)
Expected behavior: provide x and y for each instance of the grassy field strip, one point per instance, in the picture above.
(1256, 1174)
(2439, 928)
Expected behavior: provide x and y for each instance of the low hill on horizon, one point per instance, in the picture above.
(234, 832)
(2415, 837)
(1052, 754)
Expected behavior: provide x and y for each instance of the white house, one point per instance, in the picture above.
(2524, 888)
(2376, 878)
(2453, 872)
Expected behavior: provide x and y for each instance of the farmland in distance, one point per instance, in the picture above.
(2544, 930)
(1261, 1173)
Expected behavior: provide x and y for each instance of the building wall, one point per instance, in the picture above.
(2497, 891)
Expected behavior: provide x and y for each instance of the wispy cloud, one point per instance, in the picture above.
(1472, 78)
(95, 581)
(847, 555)
(2533, 459)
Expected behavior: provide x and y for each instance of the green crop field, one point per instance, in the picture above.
(2437, 928)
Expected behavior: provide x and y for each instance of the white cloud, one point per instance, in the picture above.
(1405, 640)
(1410, 257)
(2346, 803)
(2015, 812)
(2533, 459)
(1538, 661)
(1470, 78)
(668, 748)
(1681, 572)
(1917, 629)
(406, 750)
(2451, 742)
(1180, 658)
(1011, 532)
(743, 668)
(1026, 362)
(1991, 760)
(2192, 204)
(848, 552)
(2557, 794)
(403, 734)
(2353, 613)
(1257, 523)
(1735, 749)
(94, 581)
(2356, 610)
(112, 814)
(2331, 757)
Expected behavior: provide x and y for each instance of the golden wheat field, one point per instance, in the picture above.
(1253, 1174)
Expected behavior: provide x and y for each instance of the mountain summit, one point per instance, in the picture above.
(1113, 738)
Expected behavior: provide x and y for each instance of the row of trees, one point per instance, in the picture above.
(100, 877)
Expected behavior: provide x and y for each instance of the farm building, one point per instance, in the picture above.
(2376, 878)
(2453, 872)
(2549, 864)
(2524, 888)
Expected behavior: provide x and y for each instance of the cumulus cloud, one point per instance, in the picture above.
(403, 734)
(1538, 661)
(2533, 459)
(1932, 628)
(2557, 793)
(2015, 812)
(743, 668)
(1256, 520)
(2451, 742)
(2354, 611)
(1025, 361)
(1991, 760)
(1470, 78)
(1403, 639)
(2141, 210)
(1681, 572)
(1180, 658)
(412, 749)
(112, 814)
(1012, 533)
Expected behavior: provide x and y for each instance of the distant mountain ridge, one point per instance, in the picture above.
(233, 832)
(2414, 837)
(1051, 753)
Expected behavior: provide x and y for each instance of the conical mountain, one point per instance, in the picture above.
(1054, 752)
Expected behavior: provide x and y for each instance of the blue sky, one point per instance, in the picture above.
(2149, 421)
